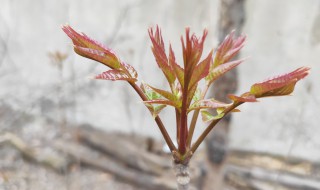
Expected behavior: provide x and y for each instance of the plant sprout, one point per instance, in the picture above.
(185, 95)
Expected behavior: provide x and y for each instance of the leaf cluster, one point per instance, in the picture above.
(184, 93)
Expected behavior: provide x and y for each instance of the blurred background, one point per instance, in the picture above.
(61, 130)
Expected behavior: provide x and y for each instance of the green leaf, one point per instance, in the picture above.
(150, 94)
(191, 93)
(207, 116)
(165, 94)
(209, 103)
(155, 98)
(197, 95)
(155, 109)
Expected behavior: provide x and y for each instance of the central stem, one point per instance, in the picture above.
(182, 175)
(183, 131)
(183, 134)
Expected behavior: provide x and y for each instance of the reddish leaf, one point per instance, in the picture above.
(98, 55)
(280, 85)
(192, 51)
(89, 48)
(221, 70)
(160, 55)
(92, 49)
(82, 40)
(228, 49)
(201, 70)
(172, 58)
(129, 70)
(285, 90)
(178, 71)
(198, 45)
(115, 75)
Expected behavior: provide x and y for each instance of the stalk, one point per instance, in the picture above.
(178, 125)
(184, 118)
(183, 129)
(192, 127)
(182, 175)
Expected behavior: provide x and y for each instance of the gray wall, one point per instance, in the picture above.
(282, 35)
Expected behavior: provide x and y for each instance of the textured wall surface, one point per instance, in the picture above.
(282, 35)
(31, 84)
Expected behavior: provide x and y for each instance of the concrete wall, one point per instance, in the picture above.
(30, 29)
(282, 35)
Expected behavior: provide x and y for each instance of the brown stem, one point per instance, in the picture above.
(211, 125)
(178, 125)
(192, 127)
(183, 134)
(157, 119)
(183, 129)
